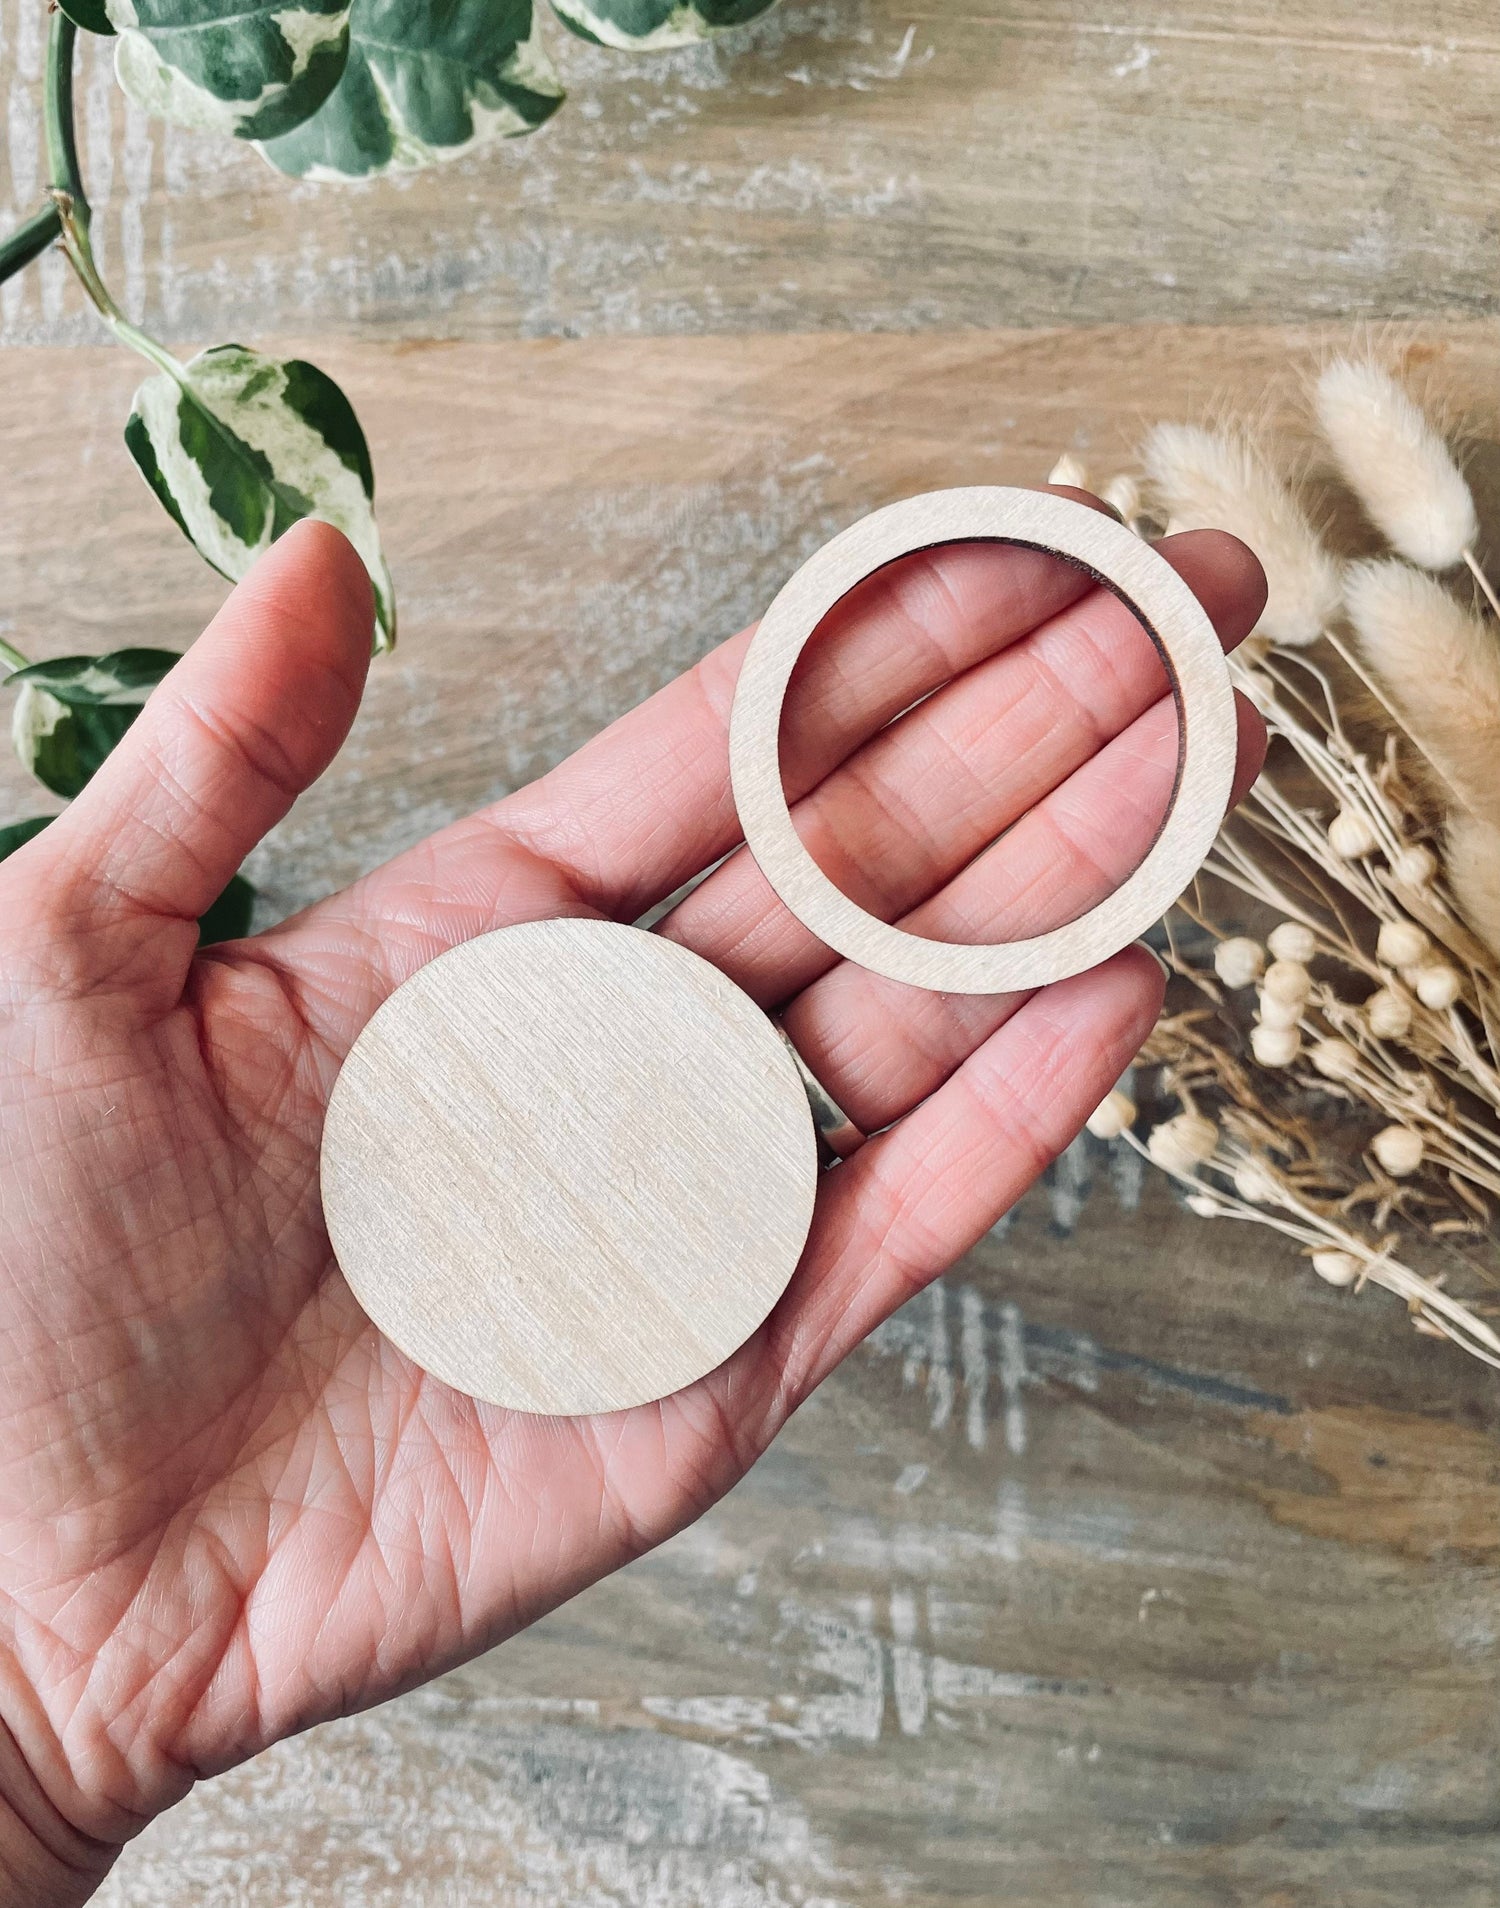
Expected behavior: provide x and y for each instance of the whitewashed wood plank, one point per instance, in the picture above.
(852, 165)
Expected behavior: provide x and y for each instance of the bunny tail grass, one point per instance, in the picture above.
(1220, 481)
(1472, 857)
(1441, 668)
(1398, 466)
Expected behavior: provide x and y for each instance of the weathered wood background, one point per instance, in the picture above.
(1127, 1568)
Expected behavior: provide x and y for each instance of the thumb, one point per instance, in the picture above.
(249, 718)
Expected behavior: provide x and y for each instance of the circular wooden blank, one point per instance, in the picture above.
(568, 1167)
(1171, 615)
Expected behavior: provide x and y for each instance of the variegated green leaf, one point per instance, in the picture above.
(122, 679)
(17, 834)
(254, 68)
(229, 917)
(238, 447)
(643, 26)
(427, 81)
(62, 747)
(88, 14)
(69, 713)
(226, 919)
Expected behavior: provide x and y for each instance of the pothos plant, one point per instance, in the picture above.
(235, 444)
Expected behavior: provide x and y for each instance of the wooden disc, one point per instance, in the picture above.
(568, 1167)
(1148, 586)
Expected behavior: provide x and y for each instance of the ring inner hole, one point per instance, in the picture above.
(939, 736)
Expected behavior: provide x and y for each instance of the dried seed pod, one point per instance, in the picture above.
(1414, 866)
(1275, 1046)
(1278, 1013)
(1286, 982)
(1338, 1268)
(1399, 1149)
(1401, 944)
(1240, 961)
(1438, 985)
(1334, 1059)
(1205, 1205)
(1291, 941)
(1258, 1182)
(1388, 1013)
(1183, 1142)
(1351, 834)
(1114, 1115)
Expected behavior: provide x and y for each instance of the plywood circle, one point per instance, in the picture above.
(568, 1167)
(1171, 615)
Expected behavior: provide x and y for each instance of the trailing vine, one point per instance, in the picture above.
(237, 445)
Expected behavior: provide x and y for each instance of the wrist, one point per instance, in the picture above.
(45, 1862)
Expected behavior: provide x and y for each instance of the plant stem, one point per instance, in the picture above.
(69, 215)
(81, 257)
(62, 141)
(1477, 571)
(29, 241)
(1313, 1229)
(44, 228)
(11, 656)
(70, 201)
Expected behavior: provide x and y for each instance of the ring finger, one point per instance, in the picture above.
(880, 1048)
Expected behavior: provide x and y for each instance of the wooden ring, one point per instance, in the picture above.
(1171, 616)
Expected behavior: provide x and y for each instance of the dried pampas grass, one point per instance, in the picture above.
(1329, 1062)
(1208, 480)
(1396, 464)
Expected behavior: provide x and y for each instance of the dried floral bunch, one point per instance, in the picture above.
(1336, 1074)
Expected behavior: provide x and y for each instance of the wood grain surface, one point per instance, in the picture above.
(1123, 1567)
(1128, 1567)
(529, 1190)
(847, 164)
(1166, 609)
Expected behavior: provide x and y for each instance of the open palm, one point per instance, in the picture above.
(228, 1507)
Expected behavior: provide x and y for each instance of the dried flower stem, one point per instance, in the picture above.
(1447, 1315)
(1476, 570)
(1374, 841)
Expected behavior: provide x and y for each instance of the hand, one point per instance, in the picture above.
(228, 1507)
